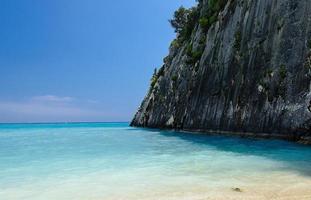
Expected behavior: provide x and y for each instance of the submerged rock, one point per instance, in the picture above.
(236, 189)
(245, 67)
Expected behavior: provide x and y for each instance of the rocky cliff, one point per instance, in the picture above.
(245, 68)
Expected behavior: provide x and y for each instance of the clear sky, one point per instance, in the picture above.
(80, 60)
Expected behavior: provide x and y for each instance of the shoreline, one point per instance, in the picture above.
(304, 140)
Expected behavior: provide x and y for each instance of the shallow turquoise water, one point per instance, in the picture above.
(115, 161)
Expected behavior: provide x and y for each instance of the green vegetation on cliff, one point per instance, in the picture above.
(184, 21)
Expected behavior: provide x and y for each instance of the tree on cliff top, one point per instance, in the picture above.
(184, 21)
(179, 20)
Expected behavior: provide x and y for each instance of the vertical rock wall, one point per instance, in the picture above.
(252, 77)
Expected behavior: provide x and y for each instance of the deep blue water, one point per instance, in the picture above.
(115, 161)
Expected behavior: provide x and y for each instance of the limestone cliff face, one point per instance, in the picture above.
(252, 76)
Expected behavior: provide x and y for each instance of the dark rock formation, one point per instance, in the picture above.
(252, 76)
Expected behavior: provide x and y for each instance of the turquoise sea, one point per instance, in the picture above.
(110, 161)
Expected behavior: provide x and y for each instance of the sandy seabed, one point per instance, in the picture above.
(298, 188)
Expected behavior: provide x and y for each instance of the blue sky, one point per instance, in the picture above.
(77, 60)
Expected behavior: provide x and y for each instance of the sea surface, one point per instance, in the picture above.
(112, 161)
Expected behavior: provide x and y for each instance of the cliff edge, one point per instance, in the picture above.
(236, 66)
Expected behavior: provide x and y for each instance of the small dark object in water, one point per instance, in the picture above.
(237, 189)
(309, 107)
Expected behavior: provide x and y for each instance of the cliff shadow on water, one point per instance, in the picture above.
(236, 66)
(294, 157)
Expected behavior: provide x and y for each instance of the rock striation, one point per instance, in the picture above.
(245, 70)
